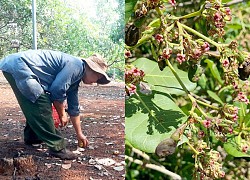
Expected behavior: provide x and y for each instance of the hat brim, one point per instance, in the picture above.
(105, 79)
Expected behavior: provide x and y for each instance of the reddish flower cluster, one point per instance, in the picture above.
(229, 64)
(141, 11)
(172, 2)
(133, 76)
(211, 166)
(235, 114)
(201, 134)
(228, 11)
(207, 123)
(245, 148)
(205, 47)
(225, 62)
(130, 89)
(127, 54)
(181, 58)
(218, 20)
(196, 53)
(241, 91)
(242, 98)
(231, 112)
(217, 16)
(159, 38)
(195, 49)
(200, 50)
(166, 53)
(201, 146)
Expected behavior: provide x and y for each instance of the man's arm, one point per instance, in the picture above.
(60, 108)
(82, 140)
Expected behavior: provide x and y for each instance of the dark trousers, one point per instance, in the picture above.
(39, 121)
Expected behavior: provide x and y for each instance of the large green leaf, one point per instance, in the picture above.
(214, 96)
(214, 70)
(231, 148)
(165, 80)
(150, 119)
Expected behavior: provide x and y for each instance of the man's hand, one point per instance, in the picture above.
(82, 140)
(60, 108)
(64, 120)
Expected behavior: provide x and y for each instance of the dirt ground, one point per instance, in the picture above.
(102, 116)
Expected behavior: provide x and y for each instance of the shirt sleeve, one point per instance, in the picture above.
(70, 73)
(72, 100)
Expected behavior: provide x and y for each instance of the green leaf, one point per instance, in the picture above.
(194, 72)
(202, 81)
(225, 1)
(247, 119)
(235, 26)
(163, 81)
(231, 148)
(242, 110)
(155, 23)
(153, 52)
(214, 70)
(183, 140)
(129, 9)
(215, 97)
(150, 119)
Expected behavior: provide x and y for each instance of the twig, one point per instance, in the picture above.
(1, 37)
(200, 98)
(161, 169)
(144, 155)
(3, 26)
(177, 77)
(106, 170)
(115, 61)
(234, 2)
(156, 166)
(14, 174)
(183, 4)
(201, 35)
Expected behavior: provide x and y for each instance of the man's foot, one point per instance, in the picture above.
(30, 143)
(63, 154)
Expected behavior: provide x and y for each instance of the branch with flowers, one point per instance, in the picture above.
(156, 121)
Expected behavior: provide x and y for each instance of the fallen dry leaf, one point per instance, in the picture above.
(99, 167)
(109, 143)
(48, 165)
(80, 149)
(106, 161)
(92, 161)
(91, 147)
(118, 168)
(66, 166)
(68, 161)
(77, 152)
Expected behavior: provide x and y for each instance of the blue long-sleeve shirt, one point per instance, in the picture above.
(36, 71)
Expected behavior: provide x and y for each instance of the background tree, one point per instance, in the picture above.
(66, 26)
